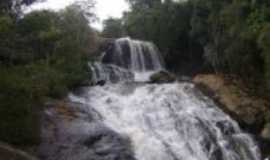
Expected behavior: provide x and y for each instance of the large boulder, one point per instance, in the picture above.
(162, 77)
(9, 153)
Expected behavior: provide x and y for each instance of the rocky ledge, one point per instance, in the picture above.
(252, 113)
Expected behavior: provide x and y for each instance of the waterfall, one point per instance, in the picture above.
(170, 122)
(109, 73)
(135, 55)
(127, 60)
(131, 120)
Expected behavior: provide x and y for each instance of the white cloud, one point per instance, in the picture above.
(104, 8)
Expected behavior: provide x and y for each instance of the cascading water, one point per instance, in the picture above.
(170, 122)
(110, 73)
(131, 120)
(135, 55)
(140, 57)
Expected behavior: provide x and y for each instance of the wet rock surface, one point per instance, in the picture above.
(72, 134)
(250, 112)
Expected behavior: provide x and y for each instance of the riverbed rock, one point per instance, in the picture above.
(72, 131)
(162, 77)
(10, 153)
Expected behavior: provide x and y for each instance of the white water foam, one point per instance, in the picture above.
(170, 122)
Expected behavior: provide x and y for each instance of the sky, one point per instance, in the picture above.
(104, 8)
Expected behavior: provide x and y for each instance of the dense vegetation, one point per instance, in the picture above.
(112, 28)
(222, 36)
(42, 55)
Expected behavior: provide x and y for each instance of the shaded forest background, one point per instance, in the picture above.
(45, 54)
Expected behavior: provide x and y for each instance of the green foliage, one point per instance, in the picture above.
(18, 122)
(113, 28)
(145, 4)
(44, 54)
(226, 36)
(264, 42)
(10, 42)
(6, 24)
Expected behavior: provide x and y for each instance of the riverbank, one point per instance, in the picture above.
(252, 113)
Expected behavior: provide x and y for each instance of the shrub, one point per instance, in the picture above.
(264, 42)
(18, 118)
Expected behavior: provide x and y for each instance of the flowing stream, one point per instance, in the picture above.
(128, 119)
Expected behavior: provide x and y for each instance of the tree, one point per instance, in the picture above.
(43, 54)
(86, 7)
(13, 6)
(40, 32)
(264, 43)
(113, 28)
(145, 4)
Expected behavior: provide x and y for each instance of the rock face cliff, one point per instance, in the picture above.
(252, 113)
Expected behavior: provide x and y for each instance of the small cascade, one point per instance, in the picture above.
(135, 55)
(109, 73)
